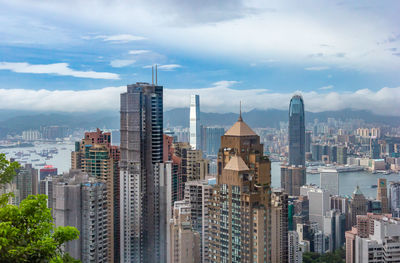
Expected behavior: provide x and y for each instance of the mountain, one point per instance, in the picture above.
(271, 118)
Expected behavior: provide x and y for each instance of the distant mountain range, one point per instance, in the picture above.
(272, 117)
(17, 121)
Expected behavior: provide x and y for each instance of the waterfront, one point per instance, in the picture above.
(347, 181)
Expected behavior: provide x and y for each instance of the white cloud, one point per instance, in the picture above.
(138, 52)
(220, 97)
(326, 87)
(121, 38)
(61, 69)
(320, 68)
(119, 63)
(167, 67)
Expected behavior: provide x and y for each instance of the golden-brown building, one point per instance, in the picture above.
(239, 208)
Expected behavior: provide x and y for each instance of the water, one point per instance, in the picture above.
(61, 160)
(347, 181)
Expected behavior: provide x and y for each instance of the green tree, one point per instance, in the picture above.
(27, 232)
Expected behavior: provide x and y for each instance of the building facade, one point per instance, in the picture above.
(194, 124)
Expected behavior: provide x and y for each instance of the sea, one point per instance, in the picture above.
(62, 161)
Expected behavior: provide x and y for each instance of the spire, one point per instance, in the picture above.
(240, 112)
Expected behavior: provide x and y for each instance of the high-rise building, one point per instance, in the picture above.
(382, 195)
(141, 153)
(279, 226)
(301, 207)
(211, 140)
(195, 141)
(342, 155)
(27, 182)
(318, 203)
(380, 246)
(240, 204)
(308, 141)
(342, 204)
(375, 148)
(329, 180)
(47, 170)
(295, 255)
(197, 195)
(334, 228)
(95, 156)
(296, 131)
(394, 198)
(81, 201)
(185, 242)
(293, 175)
(358, 205)
(193, 165)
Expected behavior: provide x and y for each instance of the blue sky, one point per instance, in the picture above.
(67, 55)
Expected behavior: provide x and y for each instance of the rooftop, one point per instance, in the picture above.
(236, 163)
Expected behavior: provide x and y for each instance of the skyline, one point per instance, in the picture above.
(261, 53)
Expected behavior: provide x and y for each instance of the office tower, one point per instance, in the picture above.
(46, 188)
(47, 170)
(95, 156)
(165, 206)
(26, 182)
(342, 155)
(194, 166)
(293, 175)
(333, 154)
(197, 195)
(295, 255)
(292, 178)
(329, 179)
(185, 243)
(308, 141)
(177, 184)
(315, 151)
(240, 203)
(279, 226)
(301, 207)
(394, 198)
(381, 246)
(296, 131)
(382, 195)
(358, 205)
(375, 148)
(141, 151)
(334, 228)
(342, 204)
(81, 201)
(211, 140)
(318, 203)
(195, 141)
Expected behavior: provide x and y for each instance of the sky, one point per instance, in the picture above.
(73, 56)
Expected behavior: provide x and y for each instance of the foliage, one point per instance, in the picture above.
(27, 233)
(337, 256)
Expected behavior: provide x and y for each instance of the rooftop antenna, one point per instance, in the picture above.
(152, 75)
(240, 111)
(156, 74)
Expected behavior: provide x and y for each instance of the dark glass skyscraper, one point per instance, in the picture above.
(293, 174)
(296, 131)
(141, 156)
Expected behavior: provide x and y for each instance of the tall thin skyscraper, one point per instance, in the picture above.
(141, 155)
(195, 122)
(293, 175)
(296, 131)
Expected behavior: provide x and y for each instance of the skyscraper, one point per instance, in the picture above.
(141, 153)
(296, 131)
(382, 196)
(279, 226)
(329, 180)
(358, 205)
(239, 207)
(195, 122)
(95, 155)
(292, 181)
(394, 194)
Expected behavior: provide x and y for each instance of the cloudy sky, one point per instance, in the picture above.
(78, 55)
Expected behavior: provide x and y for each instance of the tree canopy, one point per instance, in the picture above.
(27, 232)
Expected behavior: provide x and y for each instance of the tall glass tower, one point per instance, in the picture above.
(195, 122)
(296, 131)
(141, 156)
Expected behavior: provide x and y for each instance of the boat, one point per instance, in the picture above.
(374, 186)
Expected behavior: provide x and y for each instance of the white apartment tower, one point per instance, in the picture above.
(195, 122)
